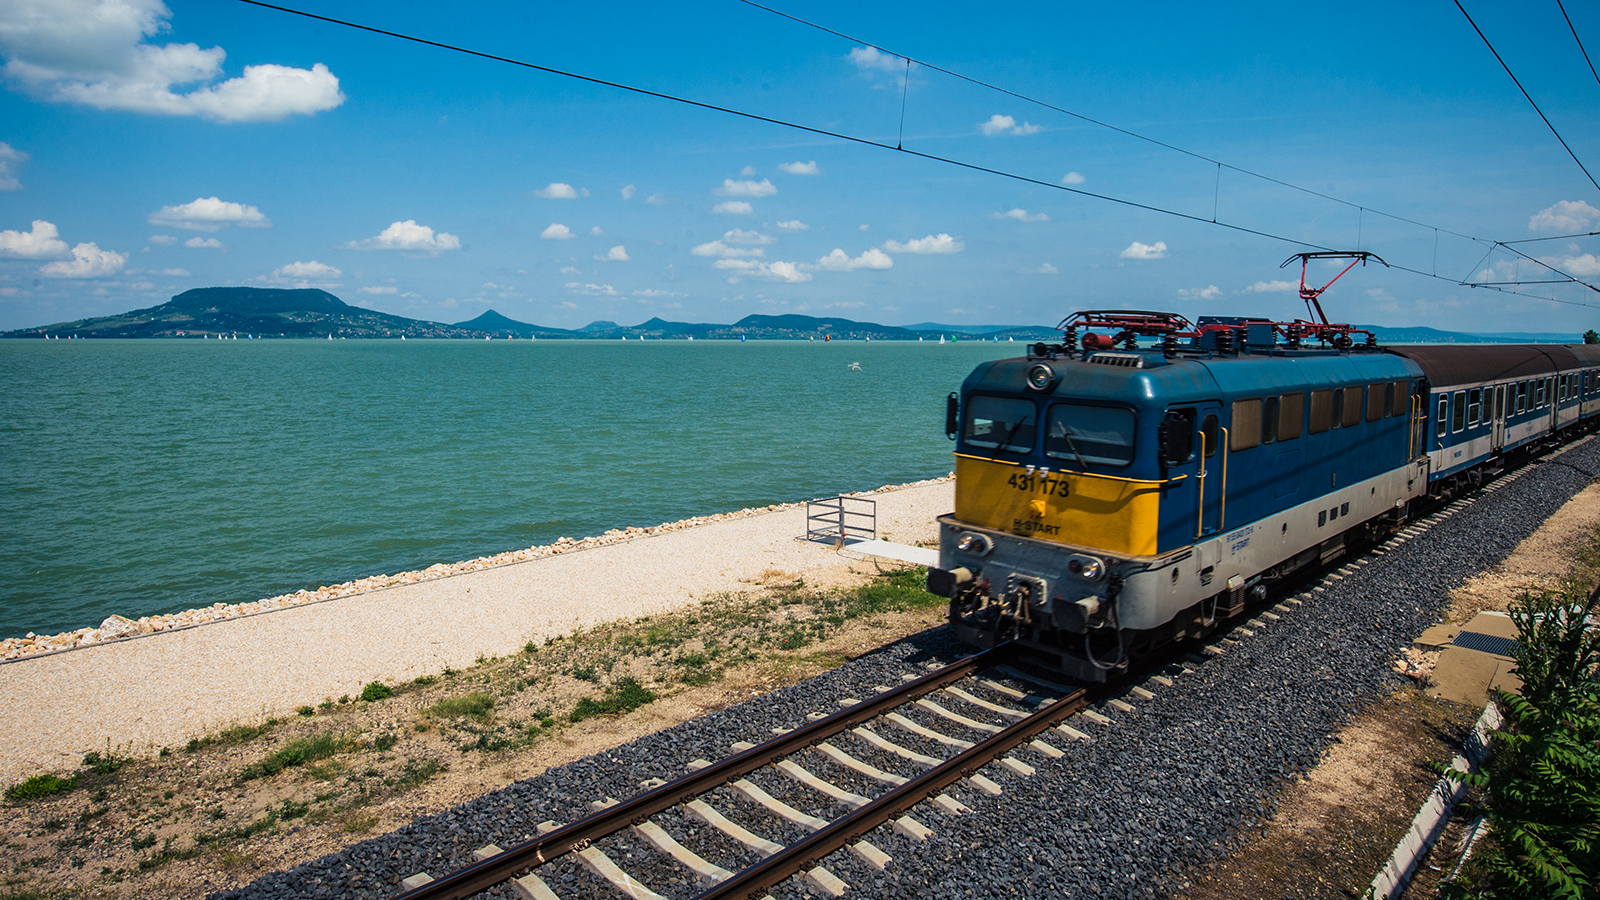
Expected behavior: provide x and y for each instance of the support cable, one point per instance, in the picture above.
(1563, 8)
(1527, 95)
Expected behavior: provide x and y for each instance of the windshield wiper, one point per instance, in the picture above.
(1006, 444)
(1072, 445)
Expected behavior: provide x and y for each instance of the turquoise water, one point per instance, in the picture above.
(140, 477)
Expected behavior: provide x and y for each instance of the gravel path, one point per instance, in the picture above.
(164, 688)
(1142, 805)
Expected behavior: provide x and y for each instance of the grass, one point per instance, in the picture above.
(477, 705)
(297, 753)
(40, 786)
(624, 696)
(375, 691)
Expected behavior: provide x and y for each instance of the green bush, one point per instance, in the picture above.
(40, 786)
(624, 696)
(376, 690)
(475, 705)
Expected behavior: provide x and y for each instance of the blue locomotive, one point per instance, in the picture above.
(1116, 493)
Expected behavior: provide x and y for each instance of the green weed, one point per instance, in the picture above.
(475, 705)
(296, 753)
(624, 696)
(375, 691)
(40, 786)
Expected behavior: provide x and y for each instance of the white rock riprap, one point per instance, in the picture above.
(117, 627)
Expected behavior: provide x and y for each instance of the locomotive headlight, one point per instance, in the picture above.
(1041, 377)
(1093, 569)
(974, 543)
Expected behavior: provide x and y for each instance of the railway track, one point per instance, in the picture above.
(976, 715)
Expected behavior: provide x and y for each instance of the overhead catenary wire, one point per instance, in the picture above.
(1581, 49)
(1528, 96)
(856, 139)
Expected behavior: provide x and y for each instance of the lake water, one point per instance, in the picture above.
(141, 477)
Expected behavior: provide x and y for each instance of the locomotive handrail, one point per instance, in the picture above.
(1200, 477)
(1222, 511)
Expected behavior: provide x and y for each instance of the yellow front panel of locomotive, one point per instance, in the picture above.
(1114, 515)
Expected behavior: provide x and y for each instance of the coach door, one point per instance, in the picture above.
(1499, 431)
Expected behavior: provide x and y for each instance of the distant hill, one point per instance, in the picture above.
(262, 312)
(493, 323)
(1421, 335)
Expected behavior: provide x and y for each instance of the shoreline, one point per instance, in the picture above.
(117, 628)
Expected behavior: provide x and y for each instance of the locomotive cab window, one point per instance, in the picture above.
(1000, 423)
(1459, 421)
(1321, 411)
(1269, 420)
(1091, 434)
(1208, 431)
(1246, 431)
(1176, 436)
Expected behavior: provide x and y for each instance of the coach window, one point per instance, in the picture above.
(1402, 399)
(1095, 434)
(1561, 388)
(1208, 430)
(1375, 402)
(1460, 420)
(1499, 403)
(1444, 415)
(1269, 420)
(1521, 389)
(1539, 397)
(1000, 423)
(1291, 415)
(1474, 406)
(1246, 431)
(1321, 411)
(1352, 407)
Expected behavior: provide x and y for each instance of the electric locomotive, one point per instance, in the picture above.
(1113, 496)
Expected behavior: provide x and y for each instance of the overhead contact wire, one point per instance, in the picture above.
(1525, 93)
(1563, 8)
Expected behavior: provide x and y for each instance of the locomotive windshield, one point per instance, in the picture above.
(1090, 434)
(1000, 423)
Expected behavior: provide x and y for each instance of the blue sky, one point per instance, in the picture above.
(148, 149)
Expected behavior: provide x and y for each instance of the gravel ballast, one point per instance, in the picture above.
(1141, 806)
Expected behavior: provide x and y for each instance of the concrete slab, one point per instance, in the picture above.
(1466, 676)
(1494, 624)
(1438, 636)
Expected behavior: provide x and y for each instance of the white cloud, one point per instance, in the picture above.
(864, 227)
(1045, 269)
(870, 58)
(747, 171)
(840, 261)
(720, 249)
(801, 168)
(615, 254)
(1583, 266)
(200, 243)
(209, 214)
(933, 243)
(1568, 215)
(142, 286)
(410, 237)
(596, 231)
(377, 289)
(571, 270)
(657, 200)
(176, 273)
(1206, 293)
(94, 53)
(652, 292)
(731, 188)
(1137, 250)
(41, 242)
(1021, 215)
(557, 191)
(312, 270)
(88, 261)
(774, 271)
(793, 225)
(999, 124)
(10, 158)
(734, 208)
(557, 232)
(1072, 178)
(592, 290)
(163, 240)
(740, 236)
(1271, 287)
(629, 191)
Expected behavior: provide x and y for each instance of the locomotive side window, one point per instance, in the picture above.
(1096, 434)
(1000, 423)
(1291, 415)
(1460, 420)
(1474, 406)
(1246, 431)
(1375, 402)
(1402, 400)
(1208, 430)
(1269, 420)
(1337, 416)
(1321, 411)
(1444, 417)
(1352, 407)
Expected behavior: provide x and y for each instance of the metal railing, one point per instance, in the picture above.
(837, 518)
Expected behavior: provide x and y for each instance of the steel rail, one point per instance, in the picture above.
(809, 851)
(537, 851)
